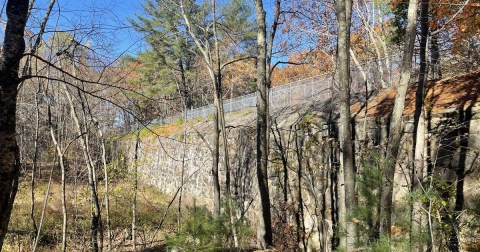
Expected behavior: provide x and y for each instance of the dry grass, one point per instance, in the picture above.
(150, 207)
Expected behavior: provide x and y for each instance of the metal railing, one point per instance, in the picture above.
(313, 88)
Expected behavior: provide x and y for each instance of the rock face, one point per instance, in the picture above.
(304, 156)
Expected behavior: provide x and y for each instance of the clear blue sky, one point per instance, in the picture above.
(103, 23)
(110, 16)
(113, 14)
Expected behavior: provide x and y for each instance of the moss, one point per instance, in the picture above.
(179, 121)
(306, 119)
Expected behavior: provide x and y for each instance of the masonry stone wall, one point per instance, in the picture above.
(309, 131)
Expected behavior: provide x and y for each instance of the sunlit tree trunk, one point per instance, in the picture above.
(264, 228)
(35, 160)
(13, 48)
(347, 196)
(218, 106)
(96, 213)
(60, 154)
(106, 179)
(419, 131)
(395, 133)
(135, 189)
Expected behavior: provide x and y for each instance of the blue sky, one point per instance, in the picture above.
(114, 13)
(101, 23)
(111, 16)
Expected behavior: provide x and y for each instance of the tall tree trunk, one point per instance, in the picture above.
(453, 243)
(436, 71)
(135, 188)
(96, 213)
(300, 216)
(106, 179)
(13, 48)
(184, 93)
(205, 51)
(418, 172)
(85, 107)
(347, 188)
(62, 168)
(396, 119)
(45, 202)
(264, 232)
(223, 129)
(184, 152)
(35, 160)
(182, 178)
(216, 158)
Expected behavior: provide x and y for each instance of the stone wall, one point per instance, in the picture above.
(310, 131)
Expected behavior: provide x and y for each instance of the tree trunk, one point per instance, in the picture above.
(184, 153)
(223, 129)
(264, 232)
(107, 190)
(135, 188)
(184, 93)
(35, 161)
(96, 215)
(347, 188)
(13, 48)
(453, 243)
(216, 159)
(205, 51)
(300, 213)
(418, 173)
(45, 201)
(396, 119)
(436, 71)
(62, 168)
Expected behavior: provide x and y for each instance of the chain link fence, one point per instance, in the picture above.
(314, 88)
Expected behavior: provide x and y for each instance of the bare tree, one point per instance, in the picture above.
(419, 128)
(35, 159)
(215, 75)
(13, 48)
(135, 191)
(395, 132)
(92, 178)
(264, 231)
(60, 154)
(106, 179)
(347, 204)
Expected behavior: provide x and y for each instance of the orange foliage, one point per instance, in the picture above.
(239, 78)
(307, 64)
(133, 75)
(464, 25)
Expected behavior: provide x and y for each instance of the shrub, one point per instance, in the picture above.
(200, 231)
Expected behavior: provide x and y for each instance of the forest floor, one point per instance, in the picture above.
(151, 205)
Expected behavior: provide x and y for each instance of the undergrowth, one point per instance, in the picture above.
(150, 207)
